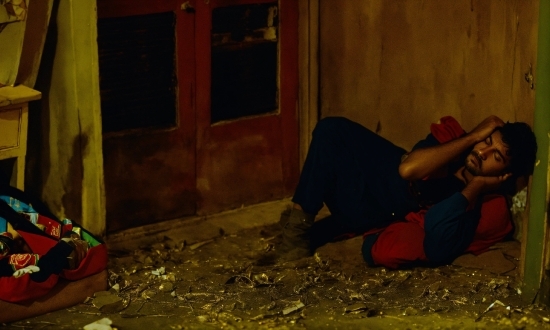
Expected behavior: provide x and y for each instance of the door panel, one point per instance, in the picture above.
(167, 156)
(149, 120)
(245, 156)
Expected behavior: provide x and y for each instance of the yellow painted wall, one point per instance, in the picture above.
(11, 43)
(65, 141)
(399, 65)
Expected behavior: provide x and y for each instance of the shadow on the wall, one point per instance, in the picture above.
(72, 201)
(4, 172)
(38, 164)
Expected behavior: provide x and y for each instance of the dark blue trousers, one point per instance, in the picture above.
(355, 173)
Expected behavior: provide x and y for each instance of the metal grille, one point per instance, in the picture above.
(244, 61)
(137, 72)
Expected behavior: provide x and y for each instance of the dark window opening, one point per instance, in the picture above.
(137, 72)
(244, 61)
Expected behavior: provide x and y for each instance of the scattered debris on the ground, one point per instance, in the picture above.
(103, 324)
(215, 283)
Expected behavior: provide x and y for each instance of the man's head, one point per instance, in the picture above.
(511, 148)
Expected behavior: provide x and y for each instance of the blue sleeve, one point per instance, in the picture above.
(366, 248)
(449, 228)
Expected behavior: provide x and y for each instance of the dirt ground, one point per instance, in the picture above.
(180, 283)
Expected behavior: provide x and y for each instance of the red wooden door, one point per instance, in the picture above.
(199, 106)
(247, 127)
(147, 74)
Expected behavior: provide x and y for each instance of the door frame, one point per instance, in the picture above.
(170, 148)
(308, 72)
(536, 254)
(308, 77)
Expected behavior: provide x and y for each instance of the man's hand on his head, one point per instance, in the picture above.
(486, 128)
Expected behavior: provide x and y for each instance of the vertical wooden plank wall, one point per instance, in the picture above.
(397, 66)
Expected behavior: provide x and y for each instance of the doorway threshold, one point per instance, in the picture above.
(195, 229)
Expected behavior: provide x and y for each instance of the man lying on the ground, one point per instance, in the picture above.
(442, 199)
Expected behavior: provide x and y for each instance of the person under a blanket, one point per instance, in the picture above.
(427, 206)
(37, 249)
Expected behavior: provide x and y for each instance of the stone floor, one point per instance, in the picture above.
(199, 274)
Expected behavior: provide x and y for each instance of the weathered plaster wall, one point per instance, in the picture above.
(38, 18)
(11, 43)
(65, 142)
(396, 66)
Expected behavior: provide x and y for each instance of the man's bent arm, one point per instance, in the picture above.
(449, 228)
(450, 225)
(483, 184)
(422, 162)
(444, 235)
